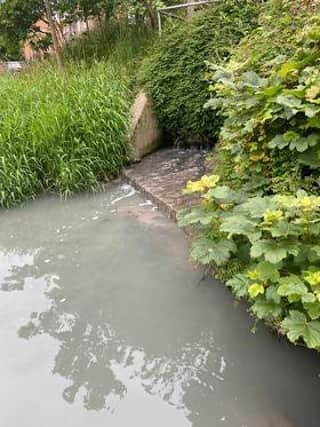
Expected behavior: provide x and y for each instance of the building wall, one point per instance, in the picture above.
(28, 52)
(69, 31)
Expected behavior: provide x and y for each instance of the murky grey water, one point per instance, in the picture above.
(103, 322)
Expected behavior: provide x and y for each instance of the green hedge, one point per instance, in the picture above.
(174, 72)
(61, 132)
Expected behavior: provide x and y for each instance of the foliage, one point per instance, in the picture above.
(174, 73)
(259, 222)
(61, 132)
(124, 45)
(18, 18)
(278, 236)
(276, 34)
(269, 141)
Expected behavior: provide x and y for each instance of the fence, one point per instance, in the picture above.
(170, 11)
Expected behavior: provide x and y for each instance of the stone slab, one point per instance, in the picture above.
(145, 134)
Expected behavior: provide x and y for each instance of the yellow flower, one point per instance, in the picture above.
(258, 157)
(305, 203)
(272, 216)
(313, 278)
(255, 290)
(210, 181)
(194, 187)
(253, 275)
(204, 184)
(225, 206)
(312, 92)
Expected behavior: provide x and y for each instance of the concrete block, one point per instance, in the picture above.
(145, 133)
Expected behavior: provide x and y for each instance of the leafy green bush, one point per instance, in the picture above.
(267, 95)
(260, 227)
(61, 132)
(271, 141)
(276, 34)
(275, 240)
(174, 73)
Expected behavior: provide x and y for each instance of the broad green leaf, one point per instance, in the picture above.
(240, 225)
(313, 309)
(206, 251)
(314, 253)
(289, 101)
(272, 295)
(287, 68)
(297, 326)
(252, 79)
(273, 251)
(313, 122)
(284, 229)
(239, 285)
(301, 144)
(257, 206)
(278, 142)
(291, 285)
(311, 111)
(268, 271)
(311, 157)
(266, 309)
(224, 194)
(271, 91)
(294, 141)
(196, 215)
(309, 297)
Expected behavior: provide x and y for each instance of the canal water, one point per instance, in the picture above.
(105, 323)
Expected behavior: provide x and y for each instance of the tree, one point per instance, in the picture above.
(53, 31)
(18, 18)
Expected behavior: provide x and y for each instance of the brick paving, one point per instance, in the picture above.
(162, 176)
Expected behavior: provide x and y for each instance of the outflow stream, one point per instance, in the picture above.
(105, 323)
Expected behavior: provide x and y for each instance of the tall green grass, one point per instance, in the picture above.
(124, 45)
(61, 132)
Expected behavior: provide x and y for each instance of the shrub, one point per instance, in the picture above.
(274, 240)
(260, 226)
(271, 141)
(276, 34)
(174, 73)
(269, 75)
(61, 132)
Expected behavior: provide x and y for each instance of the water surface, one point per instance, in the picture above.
(103, 322)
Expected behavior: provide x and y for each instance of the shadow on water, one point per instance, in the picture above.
(132, 321)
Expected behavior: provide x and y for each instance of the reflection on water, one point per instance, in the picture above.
(14, 268)
(106, 279)
(91, 354)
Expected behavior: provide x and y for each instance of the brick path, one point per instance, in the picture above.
(162, 176)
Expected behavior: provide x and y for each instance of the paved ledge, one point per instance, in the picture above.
(162, 176)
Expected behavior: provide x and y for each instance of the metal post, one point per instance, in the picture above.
(159, 23)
